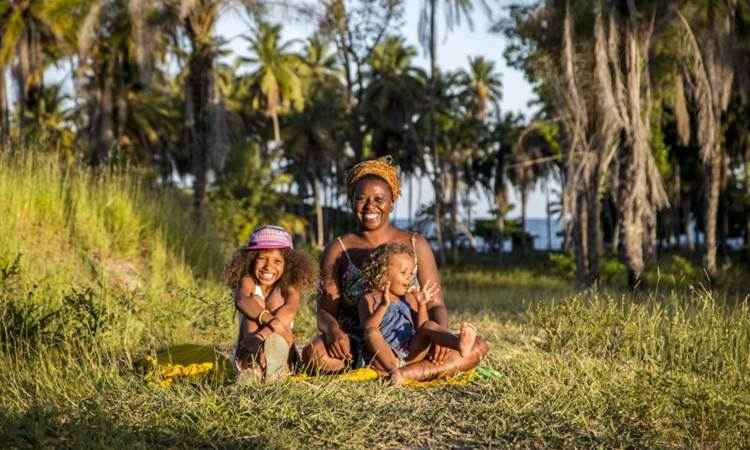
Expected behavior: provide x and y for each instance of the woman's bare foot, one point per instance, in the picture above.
(396, 379)
(467, 336)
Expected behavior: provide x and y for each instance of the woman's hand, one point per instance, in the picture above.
(338, 346)
(438, 353)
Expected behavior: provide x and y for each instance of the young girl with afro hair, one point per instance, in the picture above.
(268, 278)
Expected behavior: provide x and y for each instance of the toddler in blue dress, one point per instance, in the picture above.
(393, 314)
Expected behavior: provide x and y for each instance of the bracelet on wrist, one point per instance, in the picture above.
(260, 316)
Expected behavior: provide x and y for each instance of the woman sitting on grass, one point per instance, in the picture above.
(393, 314)
(373, 188)
(268, 278)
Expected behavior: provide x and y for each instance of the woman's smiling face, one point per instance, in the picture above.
(372, 202)
(269, 267)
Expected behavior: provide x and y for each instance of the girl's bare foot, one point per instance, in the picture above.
(466, 338)
(396, 378)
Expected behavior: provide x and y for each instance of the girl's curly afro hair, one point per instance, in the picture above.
(299, 269)
(377, 264)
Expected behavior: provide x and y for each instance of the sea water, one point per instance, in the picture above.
(536, 227)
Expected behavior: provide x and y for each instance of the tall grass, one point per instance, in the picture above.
(79, 247)
(690, 334)
(70, 222)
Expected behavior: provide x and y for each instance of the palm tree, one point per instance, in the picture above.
(484, 85)
(313, 135)
(708, 48)
(194, 22)
(31, 28)
(391, 100)
(276, 83)
(320, 62)
(55, 125)
(393, 97)
(455, 12)
(313, 146)
(108, 72)
(533, 154)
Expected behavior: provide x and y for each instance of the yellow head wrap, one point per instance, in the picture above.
(382, 167)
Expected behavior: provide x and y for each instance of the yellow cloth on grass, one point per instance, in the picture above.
(196, 361)
(186, 361)
(367, 374)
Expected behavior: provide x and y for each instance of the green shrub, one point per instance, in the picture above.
(563, 264)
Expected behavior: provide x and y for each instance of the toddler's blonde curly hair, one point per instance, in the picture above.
(377, 264)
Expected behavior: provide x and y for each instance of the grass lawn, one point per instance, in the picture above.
(589, 371)
(102, 282)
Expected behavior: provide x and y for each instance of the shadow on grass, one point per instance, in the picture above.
(45, 427)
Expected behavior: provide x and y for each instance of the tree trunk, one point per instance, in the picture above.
(711, 186)
(723, 242)
(469, 207)
(200, 67)
(102, 123)
(677, 205)
(454, 213)
(616, 235)
(35, 80)
(641, 192)
(594, 228)
(4, 114)
(501, 194)
(319, 237)
(549, 224)
(581, 241)
(438, 209)
(276, 130)
(633, 251)
(438, 184)
(747, 196)
(411, 200)
(713, 76)
(524, 201)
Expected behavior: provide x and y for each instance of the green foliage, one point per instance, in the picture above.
(248, 195)
(563, 265)
(613, 271)
(659, 147)
(29, 321)
(676, 269)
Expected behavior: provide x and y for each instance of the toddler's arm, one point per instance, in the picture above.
(372, 308)
(421, 313)
(422, 298)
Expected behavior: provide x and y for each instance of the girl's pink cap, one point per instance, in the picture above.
(268, 237)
